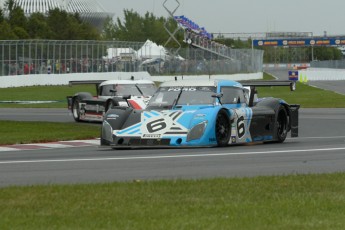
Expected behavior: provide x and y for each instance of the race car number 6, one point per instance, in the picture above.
(156, 125)
(241, 129)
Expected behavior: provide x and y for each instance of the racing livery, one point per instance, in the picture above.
(127, 93)
(203, 113)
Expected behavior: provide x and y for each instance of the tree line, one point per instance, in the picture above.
(56, 25)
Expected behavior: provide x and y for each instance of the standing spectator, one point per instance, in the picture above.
(26, 68)
(49, 68)
(32, 68)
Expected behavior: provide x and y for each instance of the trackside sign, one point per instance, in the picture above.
(331, 41)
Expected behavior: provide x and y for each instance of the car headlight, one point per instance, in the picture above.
(197, 131)
(107, 131)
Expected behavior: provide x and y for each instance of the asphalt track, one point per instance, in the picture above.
(320, 148)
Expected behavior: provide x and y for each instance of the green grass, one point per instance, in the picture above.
(42, 93)
(14, 132)
(306, 96)
(286, 202)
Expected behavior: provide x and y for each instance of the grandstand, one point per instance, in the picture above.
(89, 10)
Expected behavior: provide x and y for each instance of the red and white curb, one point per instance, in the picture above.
(50, 145)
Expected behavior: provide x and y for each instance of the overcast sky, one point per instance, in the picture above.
(247, 16)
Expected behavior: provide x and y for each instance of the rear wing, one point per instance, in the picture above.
(87, 82)
(292, 84)
(90, 82)
(254, 84)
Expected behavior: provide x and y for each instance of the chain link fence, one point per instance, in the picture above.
(336, 64)
(25, 57)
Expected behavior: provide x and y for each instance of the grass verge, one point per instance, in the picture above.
(285, 202)
(305, 95)
(14, 132)
(42, 93)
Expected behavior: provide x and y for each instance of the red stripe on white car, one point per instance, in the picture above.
(134, 104)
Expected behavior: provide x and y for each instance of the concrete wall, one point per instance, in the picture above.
(63, 79)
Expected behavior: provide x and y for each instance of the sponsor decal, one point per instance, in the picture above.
(176, 89)
(212, 139)
(112, 116)
(152, 136)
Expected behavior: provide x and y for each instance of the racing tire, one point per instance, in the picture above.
(282, 124)
(76, 109)
(223, 129)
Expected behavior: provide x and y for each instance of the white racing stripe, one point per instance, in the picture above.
(171, 156)
(52, 145)
(335, 137)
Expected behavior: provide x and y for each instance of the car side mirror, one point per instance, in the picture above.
(219, 96)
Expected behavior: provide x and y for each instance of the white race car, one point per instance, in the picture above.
(131, 93)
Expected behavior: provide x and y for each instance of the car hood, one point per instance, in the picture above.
(165, 122)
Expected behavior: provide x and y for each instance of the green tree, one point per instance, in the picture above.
(38, 27)
(327, 53)
(2, 17)
(58, 22)
(20, 32)
(64, 26)
(17, 17)
(140, 28)
(6, 31)
(132, 27)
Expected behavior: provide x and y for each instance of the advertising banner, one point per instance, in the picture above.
(332, 41)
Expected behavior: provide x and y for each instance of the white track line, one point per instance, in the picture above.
(171, 156)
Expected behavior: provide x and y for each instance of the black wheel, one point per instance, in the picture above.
(282, 124)
(223, 129)
(76, 109)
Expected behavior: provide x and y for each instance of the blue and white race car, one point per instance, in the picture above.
(202, 113)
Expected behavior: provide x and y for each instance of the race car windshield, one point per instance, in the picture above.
(167, 97)
(147, 89)
(121, 90)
